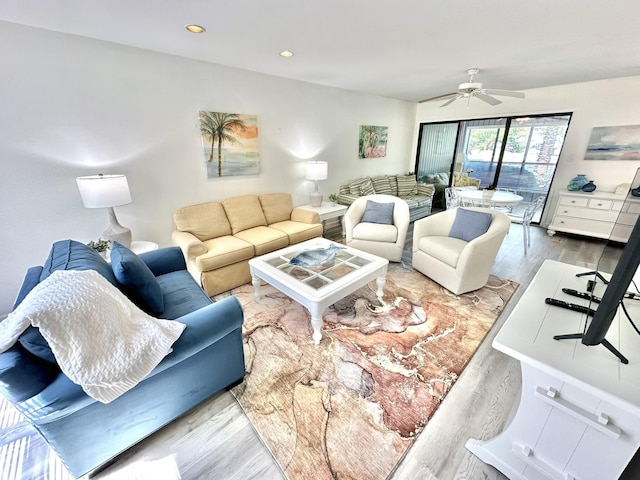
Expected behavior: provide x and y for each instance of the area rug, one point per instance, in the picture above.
(350, 407)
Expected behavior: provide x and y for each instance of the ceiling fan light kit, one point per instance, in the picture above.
(474, 89)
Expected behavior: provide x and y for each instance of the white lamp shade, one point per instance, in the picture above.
(316, 170)
(102, 191)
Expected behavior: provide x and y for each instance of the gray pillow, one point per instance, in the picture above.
(376, 212)
(470, 224)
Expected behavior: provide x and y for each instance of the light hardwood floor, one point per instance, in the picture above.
(216, 441)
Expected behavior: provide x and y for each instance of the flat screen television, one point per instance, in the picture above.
(622, 261)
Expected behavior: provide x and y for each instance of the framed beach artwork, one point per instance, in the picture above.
(372, 141)
(614, 143)
(230, 144)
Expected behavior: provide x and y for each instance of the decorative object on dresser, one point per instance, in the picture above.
(316, 170)
(577, 182)
(594, 215)
(589, 187)
(107, 191)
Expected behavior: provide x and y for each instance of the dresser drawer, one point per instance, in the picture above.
(582, 226)
(587, 213)
(574, 201)
(600, 204)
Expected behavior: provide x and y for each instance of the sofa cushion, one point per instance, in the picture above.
(73, 255)
(297, 231)
(376, 212)
(136, 279)
(354, 185)
(33, 342)
(244, 212)
(367, 187)
(381, 185)
(470, 224)
(277, 207)
(264, 239)
(223, 251)
(181, 294)
(445, 249)
(407, 185)
(375, 232)
(393, 183)
(205, 220)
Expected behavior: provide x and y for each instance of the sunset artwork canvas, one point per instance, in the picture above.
(230, 144)
(614, 143)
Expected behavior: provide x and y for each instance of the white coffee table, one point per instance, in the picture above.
(316, 288)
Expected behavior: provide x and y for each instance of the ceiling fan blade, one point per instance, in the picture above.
(438, 97)
(486, 98)
(506, 93)
(448, 102)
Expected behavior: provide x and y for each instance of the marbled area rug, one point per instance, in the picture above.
(350, 407)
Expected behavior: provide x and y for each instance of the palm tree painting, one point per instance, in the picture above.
(373, 141)
(230, 143)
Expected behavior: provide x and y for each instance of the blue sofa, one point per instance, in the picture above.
(86, 434)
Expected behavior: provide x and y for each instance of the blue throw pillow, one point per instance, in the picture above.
(470, 224)
(137, 280)
(376, 212)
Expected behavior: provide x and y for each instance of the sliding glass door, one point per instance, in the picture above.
(514, 153)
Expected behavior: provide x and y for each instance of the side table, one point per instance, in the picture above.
(328, 211)
(142, 246)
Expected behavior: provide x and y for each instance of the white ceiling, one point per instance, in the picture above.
(404, 49)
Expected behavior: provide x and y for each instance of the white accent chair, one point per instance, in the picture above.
(385, 241)
(457, 265)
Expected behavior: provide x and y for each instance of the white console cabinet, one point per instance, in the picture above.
(595, 214)
(578, 416)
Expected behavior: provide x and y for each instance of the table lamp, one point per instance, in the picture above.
(316, 170)
(107, 191)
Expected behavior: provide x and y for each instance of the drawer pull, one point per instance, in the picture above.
(573, 201)
(599, 422)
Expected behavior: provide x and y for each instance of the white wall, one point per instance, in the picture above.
(593, 104)
(71, 106)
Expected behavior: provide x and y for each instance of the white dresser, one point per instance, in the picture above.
(595, 214)
(578, 416)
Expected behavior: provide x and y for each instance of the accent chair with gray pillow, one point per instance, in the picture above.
(378, 224)
(457, 248)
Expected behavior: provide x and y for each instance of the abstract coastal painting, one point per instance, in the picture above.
(614, 143)
(373, 141)
(230, 144)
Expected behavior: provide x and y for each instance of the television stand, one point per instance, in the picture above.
(604, 343)
(578, 412)
(593, 272)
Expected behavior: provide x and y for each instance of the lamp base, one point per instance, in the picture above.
(316, 199)
(116, 232)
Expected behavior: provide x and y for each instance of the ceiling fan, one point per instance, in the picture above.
(474, 89)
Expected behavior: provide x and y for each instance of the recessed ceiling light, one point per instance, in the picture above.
(286, 54)
(195, 28)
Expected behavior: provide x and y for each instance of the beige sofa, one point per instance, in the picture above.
(219, 238)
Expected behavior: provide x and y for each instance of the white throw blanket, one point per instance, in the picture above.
(100, 339)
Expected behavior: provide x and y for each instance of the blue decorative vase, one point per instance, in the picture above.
(577, 182)
(589, 186)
